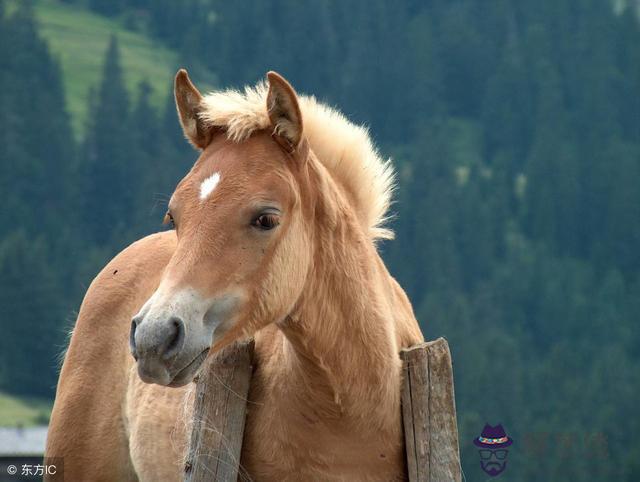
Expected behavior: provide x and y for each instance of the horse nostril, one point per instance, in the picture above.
(175, 338)
(132, 339)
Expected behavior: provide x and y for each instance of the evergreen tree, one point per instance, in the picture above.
(32, 329)
(110, 172)
(149, 158)
(36, 152)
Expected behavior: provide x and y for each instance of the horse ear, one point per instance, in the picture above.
(188, 103)
(284, 111)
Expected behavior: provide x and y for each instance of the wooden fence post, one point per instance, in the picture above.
(429, 413)
(219, 415)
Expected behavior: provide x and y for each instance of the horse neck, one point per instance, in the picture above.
(340, 338)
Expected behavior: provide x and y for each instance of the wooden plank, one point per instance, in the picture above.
(219, 415)
(429, 413)
(445, 454)
(415, 411)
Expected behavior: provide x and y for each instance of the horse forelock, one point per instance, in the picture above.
(345, 149)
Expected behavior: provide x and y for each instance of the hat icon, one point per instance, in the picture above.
(493, 438)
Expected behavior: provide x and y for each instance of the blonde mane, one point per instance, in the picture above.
(345, 149)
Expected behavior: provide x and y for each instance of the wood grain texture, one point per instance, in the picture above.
(219, 415)
(429, 413)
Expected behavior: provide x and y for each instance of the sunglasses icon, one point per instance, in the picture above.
(486, 454)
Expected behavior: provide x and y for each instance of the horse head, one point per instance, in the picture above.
(243, 241)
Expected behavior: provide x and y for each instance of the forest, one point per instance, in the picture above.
(515, 131)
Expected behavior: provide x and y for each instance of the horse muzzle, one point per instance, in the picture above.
(171, 336)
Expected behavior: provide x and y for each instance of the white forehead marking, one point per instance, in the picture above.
(208, 185)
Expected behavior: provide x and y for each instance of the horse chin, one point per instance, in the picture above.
(188, 373)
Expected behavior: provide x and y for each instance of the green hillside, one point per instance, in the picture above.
(23, 411)
(79, 38)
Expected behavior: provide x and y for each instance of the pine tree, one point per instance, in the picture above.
(33, 332)
(148, 157)
(110, 175)
(507, 107)
(425, 89)
(36, 151)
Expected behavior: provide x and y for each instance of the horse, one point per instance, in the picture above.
(275, 236)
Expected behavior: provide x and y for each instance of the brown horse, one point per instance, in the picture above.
(275, 237)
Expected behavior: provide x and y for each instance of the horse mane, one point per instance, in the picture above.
(345, 149)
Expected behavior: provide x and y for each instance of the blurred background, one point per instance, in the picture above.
(515, 131)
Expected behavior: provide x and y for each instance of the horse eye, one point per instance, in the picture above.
(266, 222)
(168, 219)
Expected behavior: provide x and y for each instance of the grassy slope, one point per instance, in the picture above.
(79, 38)
(24, 411)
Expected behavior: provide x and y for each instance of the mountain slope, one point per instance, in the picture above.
(79, 38)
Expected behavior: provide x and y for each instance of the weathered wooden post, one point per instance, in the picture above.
(219, 413)
(429, 413)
